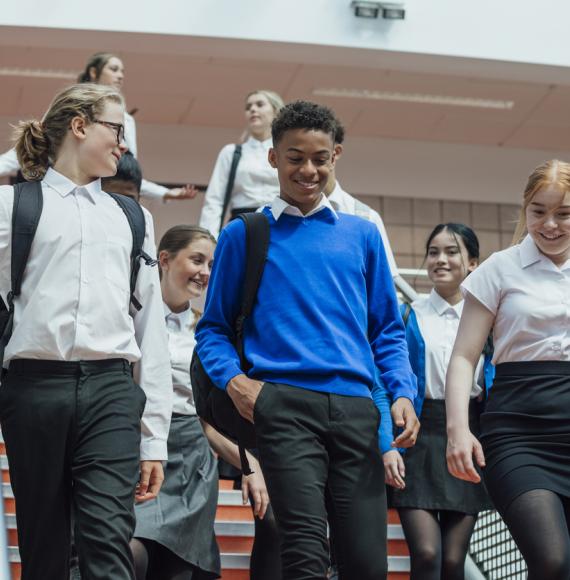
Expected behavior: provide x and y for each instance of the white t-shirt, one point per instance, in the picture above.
(530, 298)
(438, 322)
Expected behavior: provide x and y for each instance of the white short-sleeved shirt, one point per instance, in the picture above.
(438, 322)
(530, 298)
(181, 343)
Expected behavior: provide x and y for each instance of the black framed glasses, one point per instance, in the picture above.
(119, 129)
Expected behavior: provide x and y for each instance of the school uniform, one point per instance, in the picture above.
(9, 163)
(182, 517)
(525, 429)
(70, 411)
(343, 202)
(430, 332)
(326, 315)
(255, 184)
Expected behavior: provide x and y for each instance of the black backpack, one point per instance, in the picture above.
(27, 210)
(213, 404)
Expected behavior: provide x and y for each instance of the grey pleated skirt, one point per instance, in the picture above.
(182, 517)
(429, 485)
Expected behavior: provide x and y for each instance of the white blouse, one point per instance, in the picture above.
(255, 185)
(530, 298)
(181, 343)
(75, 295)
(438, 322)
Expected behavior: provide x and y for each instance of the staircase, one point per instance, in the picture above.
(234, 531)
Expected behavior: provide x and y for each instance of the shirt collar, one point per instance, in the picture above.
(279, 206)
(441, 306)
(336, 196)
(257, 144)
(181, 319)
(530, 254)
(64, 186)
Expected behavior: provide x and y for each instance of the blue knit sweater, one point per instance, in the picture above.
(326, 309)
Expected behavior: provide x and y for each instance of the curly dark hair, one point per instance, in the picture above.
(339, 133)
(304, 115)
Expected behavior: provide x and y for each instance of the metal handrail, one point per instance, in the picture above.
(4, 558)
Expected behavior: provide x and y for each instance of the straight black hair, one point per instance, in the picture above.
(128, 170)
(470, 240)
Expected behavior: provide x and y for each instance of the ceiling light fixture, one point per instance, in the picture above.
(420, 98)
(368, 9)
(38, 73)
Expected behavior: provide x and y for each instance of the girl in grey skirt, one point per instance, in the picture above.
(174, 537)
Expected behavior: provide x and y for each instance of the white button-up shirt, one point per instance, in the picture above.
(255, 184)
(279, 207)
(9, 161)
(346, 203)
(75, 295)
(181, 342)
(530, 298)
(438, 322)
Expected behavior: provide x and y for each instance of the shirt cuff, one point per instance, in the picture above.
(154, 450)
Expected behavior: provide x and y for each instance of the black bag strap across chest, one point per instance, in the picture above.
(135, 217)
(26, 213)
(231, 180)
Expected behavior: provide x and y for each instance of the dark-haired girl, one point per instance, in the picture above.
(438, 512)
(105, 68)
(174, 536)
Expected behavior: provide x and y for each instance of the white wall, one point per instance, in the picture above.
(502, 30)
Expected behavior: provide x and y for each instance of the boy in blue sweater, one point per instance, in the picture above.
(326, 314)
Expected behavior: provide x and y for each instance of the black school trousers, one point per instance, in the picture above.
(72, 434)
(321, 460)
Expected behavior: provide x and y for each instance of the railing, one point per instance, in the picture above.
(4, 559)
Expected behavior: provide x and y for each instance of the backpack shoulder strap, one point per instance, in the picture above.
(135, 216)
(28, 205)
(231, 180)
(257, 245)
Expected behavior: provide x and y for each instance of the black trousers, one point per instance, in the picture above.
(320, 458)
(72, 433)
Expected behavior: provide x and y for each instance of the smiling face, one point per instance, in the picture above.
(185, 275)
(259, 115)
(112, 74)
(448, 262)
(304, 160)
(548, 223)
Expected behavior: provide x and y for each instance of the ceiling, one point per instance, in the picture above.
(205, 87)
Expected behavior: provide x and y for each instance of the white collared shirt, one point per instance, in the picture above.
(346, 203)
(255, 184)
(530, 298)
(75, 295)
(9, 161)
(181, 343)
(438, 322)
(279, 207)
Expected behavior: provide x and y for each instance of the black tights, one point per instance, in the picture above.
(539, 524)
(155, 562)
(438, 542)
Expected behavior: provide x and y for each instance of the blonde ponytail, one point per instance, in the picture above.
(32, 149)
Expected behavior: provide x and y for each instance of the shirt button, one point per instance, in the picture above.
(555, 347)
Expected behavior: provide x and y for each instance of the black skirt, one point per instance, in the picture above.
(525, 430)
(429, 485)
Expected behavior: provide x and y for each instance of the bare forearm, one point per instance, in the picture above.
(223, 447)
(457, 390)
